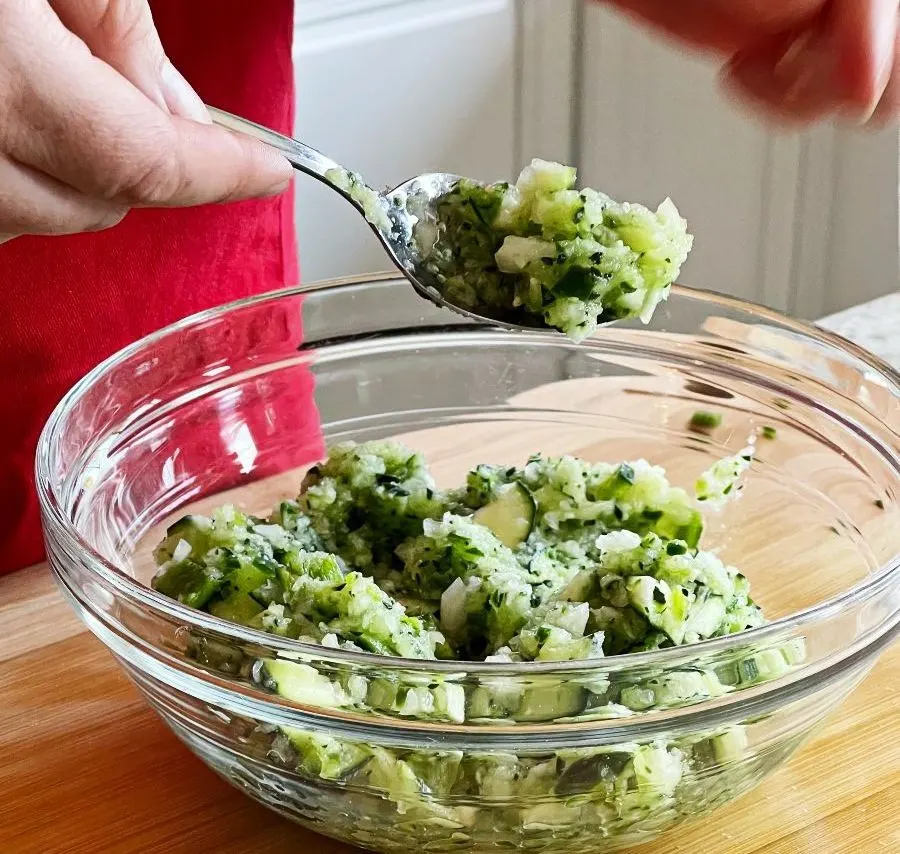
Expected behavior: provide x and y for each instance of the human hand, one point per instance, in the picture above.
(799, 60)
(96, 120)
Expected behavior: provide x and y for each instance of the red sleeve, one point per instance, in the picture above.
(68, 302)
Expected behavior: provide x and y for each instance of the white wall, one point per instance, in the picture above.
(653, 125)
(394, 89)
(864, 232)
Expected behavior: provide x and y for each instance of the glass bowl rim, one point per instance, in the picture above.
(96, 564)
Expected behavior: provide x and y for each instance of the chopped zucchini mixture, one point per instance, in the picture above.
(374, 205)
(540, 252)
(365, 500)
(557, 560)
(724, 479)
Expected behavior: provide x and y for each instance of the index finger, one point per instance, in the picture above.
(80, 121)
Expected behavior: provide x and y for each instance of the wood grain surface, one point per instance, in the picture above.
(86, 767)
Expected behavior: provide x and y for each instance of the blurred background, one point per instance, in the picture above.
(806, 223)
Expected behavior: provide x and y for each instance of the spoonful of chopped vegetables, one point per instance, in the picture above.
(534, 254)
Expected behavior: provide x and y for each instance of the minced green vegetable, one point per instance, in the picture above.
(702, 421)
(556, 560)
(364, 500)
(542, 251)
(724, 479)
(374, 205)
(769, 432)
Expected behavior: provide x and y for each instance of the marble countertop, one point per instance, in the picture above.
(874, 325)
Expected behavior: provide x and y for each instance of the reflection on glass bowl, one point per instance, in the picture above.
(219, 408)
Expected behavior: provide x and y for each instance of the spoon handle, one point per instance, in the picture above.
(300, 156)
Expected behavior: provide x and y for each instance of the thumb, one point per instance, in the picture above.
(81, 122)
(123, 35)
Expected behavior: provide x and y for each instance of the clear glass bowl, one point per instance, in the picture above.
(218, 408)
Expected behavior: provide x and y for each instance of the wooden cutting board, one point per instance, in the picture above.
(86, 767)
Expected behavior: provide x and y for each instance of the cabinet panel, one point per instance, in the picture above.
(549, 67)
(654, 125)
(863, 260)
(392, 91)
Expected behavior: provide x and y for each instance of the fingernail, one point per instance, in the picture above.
(279, 175)
(807, 71)
(885, 48)
(280, 185)
(887, 39)
(181, 99)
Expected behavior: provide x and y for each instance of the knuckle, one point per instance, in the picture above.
(125, 22)
(126, 30)
(152, 175)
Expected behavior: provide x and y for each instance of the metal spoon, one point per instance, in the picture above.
(398, 241)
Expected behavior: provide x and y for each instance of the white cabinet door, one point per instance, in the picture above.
(804, 223)
(863, 245)
(392, 89)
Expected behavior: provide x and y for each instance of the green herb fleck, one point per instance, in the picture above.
(768, 432)
(702, 421)
(577, 282)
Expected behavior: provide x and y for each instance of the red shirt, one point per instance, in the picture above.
(66, 303)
